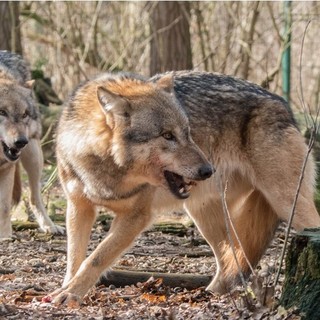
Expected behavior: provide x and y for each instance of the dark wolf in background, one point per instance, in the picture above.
(141, 146)
(20, 131)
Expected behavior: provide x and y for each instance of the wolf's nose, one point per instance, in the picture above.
(21, 142)
(205, 171)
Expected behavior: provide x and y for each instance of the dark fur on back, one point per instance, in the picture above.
(227, 102)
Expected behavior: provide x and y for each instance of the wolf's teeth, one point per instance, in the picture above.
(181, 190)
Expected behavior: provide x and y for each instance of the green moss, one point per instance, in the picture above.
(317, 198)
(313, 264)
(57, 208)
(302, 283)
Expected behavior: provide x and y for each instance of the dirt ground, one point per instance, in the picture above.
(33, 264)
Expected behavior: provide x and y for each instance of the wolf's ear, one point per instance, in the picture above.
(29, 84)
(112, 103)
(166, 83)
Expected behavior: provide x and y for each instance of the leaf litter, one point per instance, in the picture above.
(33, 264)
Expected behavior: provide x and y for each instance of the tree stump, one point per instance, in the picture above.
(302, 275)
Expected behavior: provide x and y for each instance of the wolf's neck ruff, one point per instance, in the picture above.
(112, 195)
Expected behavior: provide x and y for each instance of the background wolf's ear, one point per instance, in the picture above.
(166, 83)
(112, 103)
(29, 84)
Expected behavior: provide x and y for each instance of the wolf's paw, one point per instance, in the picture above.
(53, 229)
(6, 237)
(58, 230)
(63, 297)
(5, 231)
(218, 286)
(69, 299)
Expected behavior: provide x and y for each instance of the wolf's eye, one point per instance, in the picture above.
(26, 114)
(168, 136)
(3, 113)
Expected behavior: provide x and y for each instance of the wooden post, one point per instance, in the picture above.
(286, 56)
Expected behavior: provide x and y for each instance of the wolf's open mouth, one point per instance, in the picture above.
(12, 154)
(178, 186)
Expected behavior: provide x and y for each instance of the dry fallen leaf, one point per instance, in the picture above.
(153, 298)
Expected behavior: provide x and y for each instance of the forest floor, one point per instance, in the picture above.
(33, 264)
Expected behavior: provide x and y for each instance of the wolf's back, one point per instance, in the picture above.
(218, 105)
(217, 89)
(215, 84)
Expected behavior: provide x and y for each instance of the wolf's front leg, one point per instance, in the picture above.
(124, 229)
(32, 161)
(6, 188)
(80, 217)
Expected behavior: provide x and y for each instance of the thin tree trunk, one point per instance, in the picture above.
(170, 45)
(243, 67)
(200, 25)
(10, 36)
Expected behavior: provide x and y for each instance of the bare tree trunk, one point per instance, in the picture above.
(230, 8)
(10, 37)
(247, 40)
(170, 44)
(200, 30)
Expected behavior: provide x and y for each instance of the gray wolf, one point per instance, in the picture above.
(20, 131)
(140, 146)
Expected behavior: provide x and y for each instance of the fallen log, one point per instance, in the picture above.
(20, 225)
(121, 278)
(6, 271)
(301, 288)
(175, 228)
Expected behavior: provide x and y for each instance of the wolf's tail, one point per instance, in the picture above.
(17, 187)
(255, 224)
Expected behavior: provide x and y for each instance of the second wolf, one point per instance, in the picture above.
(20, 130)
(141, 146)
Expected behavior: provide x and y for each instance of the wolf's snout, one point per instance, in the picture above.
(205, 171)
(21, 142)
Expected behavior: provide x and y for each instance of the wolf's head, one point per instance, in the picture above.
(16, 107)
(151, 134)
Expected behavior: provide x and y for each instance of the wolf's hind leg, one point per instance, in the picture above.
(254, 222)
(209, 219)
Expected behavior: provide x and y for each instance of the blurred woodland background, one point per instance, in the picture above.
(67, 42)
(71, 41)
